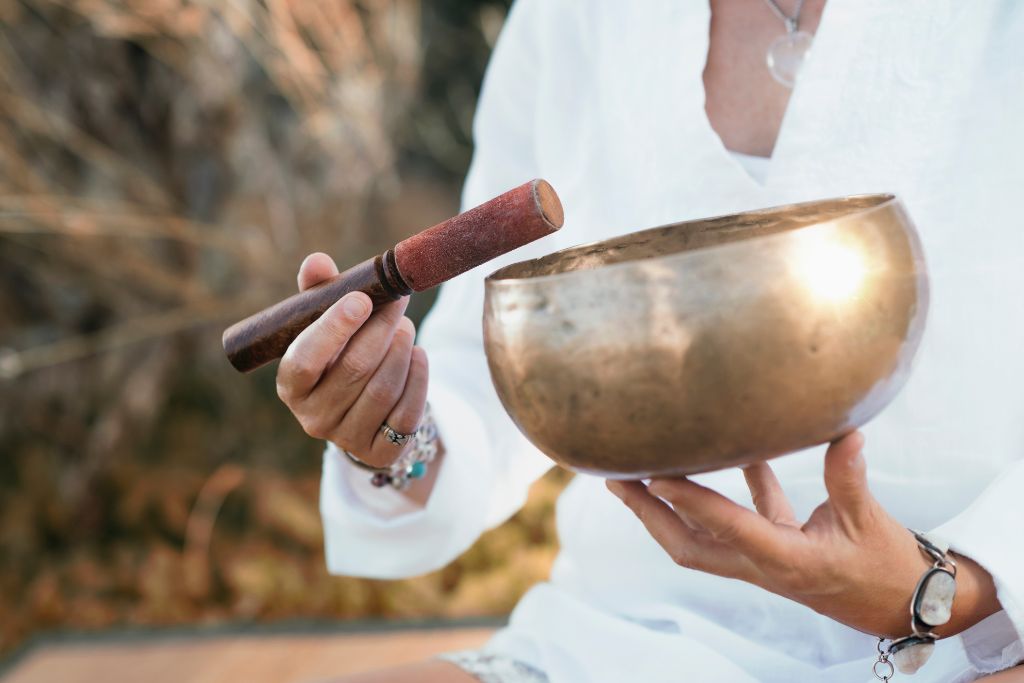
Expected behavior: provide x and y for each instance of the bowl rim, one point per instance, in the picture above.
(883, 201)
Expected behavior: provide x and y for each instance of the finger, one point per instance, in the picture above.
(316, 268)
(726, 522)
(355, 365)
(407, 414)
(356, 431)
(687, 547)
(846, 477)
(766, 493)
(307, 358)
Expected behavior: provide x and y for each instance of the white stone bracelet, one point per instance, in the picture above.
(930, 606)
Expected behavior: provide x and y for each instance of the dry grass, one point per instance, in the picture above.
(170, 153)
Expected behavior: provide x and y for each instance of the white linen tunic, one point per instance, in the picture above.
(924, 98)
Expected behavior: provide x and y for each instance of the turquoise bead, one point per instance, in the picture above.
(417, 470)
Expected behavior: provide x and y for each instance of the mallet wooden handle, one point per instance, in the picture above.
(420, 262)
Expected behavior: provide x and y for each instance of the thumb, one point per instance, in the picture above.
(846, 477)
(316, 268)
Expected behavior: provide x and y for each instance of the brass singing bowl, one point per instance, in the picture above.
(711, 343)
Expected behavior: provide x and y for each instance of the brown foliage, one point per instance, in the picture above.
(164, 165)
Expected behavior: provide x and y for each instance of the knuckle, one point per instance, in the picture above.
(316, 427)
(337, 330)
(355, 366)
(681, 557)
(295, 369)
(305, 372)
(405, 330)
(382, 391)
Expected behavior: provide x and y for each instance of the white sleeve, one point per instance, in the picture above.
(488, 465)
(989, 532)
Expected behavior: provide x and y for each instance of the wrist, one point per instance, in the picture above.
(976, 598)
(419, 450)
(948, 599)
(419, 490)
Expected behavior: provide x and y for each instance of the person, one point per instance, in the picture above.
(643, 114)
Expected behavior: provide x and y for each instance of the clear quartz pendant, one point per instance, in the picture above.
(786, 55)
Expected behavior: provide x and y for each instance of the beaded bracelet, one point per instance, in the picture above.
(412, 464)
(931, 605)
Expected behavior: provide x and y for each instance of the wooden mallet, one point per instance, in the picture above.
(420, 262)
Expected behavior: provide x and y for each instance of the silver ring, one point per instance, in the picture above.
(884, 675)
(395, 437)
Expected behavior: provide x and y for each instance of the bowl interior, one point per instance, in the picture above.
(689, 236)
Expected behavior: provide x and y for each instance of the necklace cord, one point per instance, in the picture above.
(792, 22)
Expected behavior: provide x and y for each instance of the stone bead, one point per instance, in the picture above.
(935, 598)
(913, 656)
(786, 56)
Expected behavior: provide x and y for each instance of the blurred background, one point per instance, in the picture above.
(164, 167)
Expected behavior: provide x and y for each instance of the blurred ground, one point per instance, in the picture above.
(253, 659)
(164, 166)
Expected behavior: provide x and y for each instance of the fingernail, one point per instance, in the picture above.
(355, 306)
